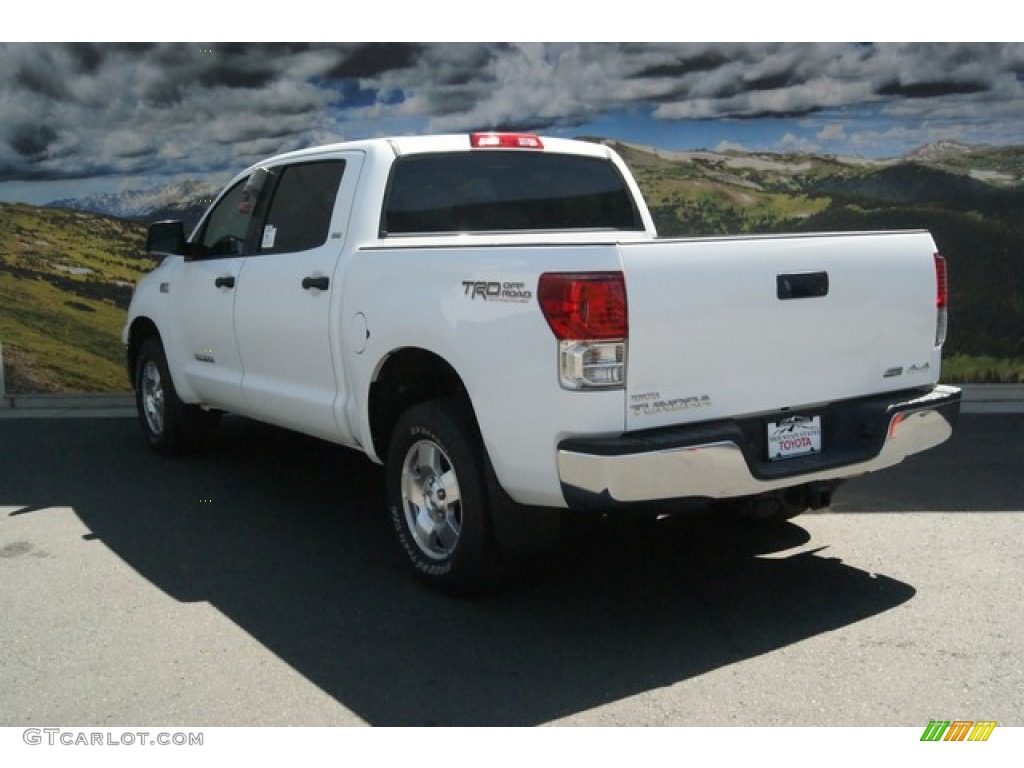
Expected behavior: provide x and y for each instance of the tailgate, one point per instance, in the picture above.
(726, 327)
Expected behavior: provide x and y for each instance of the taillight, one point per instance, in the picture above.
(584, 305)
(941, 298)
(505, 141)
(587, 314)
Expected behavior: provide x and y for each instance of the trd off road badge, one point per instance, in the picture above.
(495, 290)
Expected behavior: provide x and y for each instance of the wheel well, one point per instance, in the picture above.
(142, 329)
(406, 378)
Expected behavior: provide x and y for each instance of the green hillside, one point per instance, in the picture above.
(693, 194)
(971, 200)
(66, 277)
(65, 282)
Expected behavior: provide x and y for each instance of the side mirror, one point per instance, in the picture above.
(166, 238)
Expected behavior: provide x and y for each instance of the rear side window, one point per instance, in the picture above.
(300, 212)
(499, 191)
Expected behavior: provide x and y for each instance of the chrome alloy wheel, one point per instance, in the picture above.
(431, 500)
(152, 389)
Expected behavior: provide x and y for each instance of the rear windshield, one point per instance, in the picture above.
(501, 191)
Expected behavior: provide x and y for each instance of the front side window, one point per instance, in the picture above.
(225, 228)
(299, 216)
(502, 191)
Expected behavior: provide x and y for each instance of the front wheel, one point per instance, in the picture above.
(439, 508)
(169, 425)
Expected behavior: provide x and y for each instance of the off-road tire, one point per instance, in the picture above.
(437, 499)
(169, 425)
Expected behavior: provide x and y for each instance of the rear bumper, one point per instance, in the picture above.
(726, 459)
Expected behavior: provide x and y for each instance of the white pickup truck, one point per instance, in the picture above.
(493, 318)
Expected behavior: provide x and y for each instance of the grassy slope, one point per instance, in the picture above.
(977, 227)
(65, 276)
(65, 283)
(706, 196)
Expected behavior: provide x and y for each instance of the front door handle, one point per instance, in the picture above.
(320, 283)
(225, 282)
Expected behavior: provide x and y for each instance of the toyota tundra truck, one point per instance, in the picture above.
(494, 319)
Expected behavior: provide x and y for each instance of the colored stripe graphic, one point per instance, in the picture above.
(934, 730)
(958, 730)
(982, 730)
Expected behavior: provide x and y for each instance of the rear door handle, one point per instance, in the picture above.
(225, 282)
(320, 283)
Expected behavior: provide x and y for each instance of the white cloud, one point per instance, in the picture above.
(91, 110)
(792, 143)
(730, 146)
(831, 132)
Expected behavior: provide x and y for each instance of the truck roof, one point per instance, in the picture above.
(408, 145)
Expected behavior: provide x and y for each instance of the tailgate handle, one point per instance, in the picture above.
(801, 285)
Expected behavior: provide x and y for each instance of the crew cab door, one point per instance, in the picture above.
(287, 322)
(203, 299)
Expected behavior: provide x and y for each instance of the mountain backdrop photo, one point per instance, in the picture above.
(99, 140)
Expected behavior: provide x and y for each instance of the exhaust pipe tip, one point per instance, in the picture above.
(819, 495)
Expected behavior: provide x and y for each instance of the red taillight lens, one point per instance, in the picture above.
(584, 305)
(941, 283)
(505, 141)
(941, 297)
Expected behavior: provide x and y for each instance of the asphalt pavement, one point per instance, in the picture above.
(255, 582)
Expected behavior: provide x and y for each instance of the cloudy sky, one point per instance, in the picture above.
(84, 117)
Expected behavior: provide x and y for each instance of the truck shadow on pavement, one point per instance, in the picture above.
(287, 537)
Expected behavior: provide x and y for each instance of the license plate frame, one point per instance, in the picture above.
(793, 437)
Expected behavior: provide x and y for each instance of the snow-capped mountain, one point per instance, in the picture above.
(939, 151)
(175, 200)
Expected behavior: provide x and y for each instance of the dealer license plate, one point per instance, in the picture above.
(795, 436)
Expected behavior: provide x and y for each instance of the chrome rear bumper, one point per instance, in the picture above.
(722, 460)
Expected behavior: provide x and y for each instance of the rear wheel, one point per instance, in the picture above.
(439, 507)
